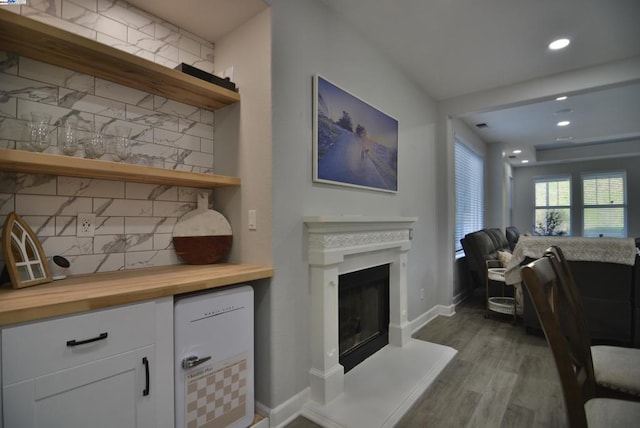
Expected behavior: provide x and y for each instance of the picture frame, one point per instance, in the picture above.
(354, 143)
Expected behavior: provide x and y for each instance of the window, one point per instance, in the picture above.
(469, 192)
(552, 206)
(604, 204)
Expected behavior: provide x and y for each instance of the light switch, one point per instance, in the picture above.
(252, 220)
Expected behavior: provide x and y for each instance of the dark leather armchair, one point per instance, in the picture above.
(481, 246)
(512, 233)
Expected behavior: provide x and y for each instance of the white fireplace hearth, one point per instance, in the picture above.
(343, 244)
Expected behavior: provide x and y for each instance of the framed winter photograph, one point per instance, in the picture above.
(354, 144)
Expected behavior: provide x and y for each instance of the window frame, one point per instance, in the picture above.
(549, 207)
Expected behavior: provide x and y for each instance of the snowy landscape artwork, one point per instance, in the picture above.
(354, 143)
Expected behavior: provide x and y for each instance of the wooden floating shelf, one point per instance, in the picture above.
(30, 38)
(43, 163)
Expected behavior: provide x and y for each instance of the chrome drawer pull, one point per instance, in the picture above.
(74, 342)
(193, 361)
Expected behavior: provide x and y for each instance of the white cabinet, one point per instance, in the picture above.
(98, 369)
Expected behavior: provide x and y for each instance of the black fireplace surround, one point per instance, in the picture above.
(363, 302)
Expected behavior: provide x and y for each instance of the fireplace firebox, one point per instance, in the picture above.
(363, 312)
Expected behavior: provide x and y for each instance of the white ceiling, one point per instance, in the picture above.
(457, 47)
(604, 116)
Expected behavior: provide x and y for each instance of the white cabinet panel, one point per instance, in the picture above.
(38, 348)
(102, 394)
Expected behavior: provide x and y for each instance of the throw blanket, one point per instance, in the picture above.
(605, 250)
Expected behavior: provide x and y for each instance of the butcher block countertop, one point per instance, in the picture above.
(100, 290)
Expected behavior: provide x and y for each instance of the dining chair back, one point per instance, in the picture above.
(616, 369)
(574, 368)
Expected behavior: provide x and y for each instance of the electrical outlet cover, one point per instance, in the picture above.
(86, 226)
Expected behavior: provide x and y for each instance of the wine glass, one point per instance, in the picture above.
(68, 141)
(39, 127)
(96, 146)
(122, 144)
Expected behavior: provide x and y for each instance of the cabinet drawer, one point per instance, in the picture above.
(39, 348)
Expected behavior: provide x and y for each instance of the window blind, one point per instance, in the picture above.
(604, 204)
(469, 179)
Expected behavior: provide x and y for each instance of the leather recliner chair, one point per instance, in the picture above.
(512, 233)
(481, 246)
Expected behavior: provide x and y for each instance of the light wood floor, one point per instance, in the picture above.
(501, 377)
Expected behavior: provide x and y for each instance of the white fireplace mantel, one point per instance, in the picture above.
(343, 244)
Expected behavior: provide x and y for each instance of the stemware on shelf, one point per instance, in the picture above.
(95, 146)
(68, 139)
(39, 132)
(122, 144)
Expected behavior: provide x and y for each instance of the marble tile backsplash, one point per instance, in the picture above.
(134, 221)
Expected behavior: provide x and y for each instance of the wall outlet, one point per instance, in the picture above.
(86, 225)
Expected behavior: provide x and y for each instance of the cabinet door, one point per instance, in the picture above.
(112, 392)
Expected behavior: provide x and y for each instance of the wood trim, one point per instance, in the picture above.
(80, 293)
(44, 163)
(34, 39)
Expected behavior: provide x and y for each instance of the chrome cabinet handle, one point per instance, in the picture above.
(193, 361)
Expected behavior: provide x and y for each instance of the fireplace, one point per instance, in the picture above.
(379, 390)
(363, 314)
(339, 245)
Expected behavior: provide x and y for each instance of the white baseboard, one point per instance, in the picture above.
(428, 316)
(287, 411)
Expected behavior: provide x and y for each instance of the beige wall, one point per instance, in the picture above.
(243, 138)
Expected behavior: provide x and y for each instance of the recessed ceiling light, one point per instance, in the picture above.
(563, 123)
(562, 98)
(517, 152)
(524, 161)
(559, 44)
(564, 138)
